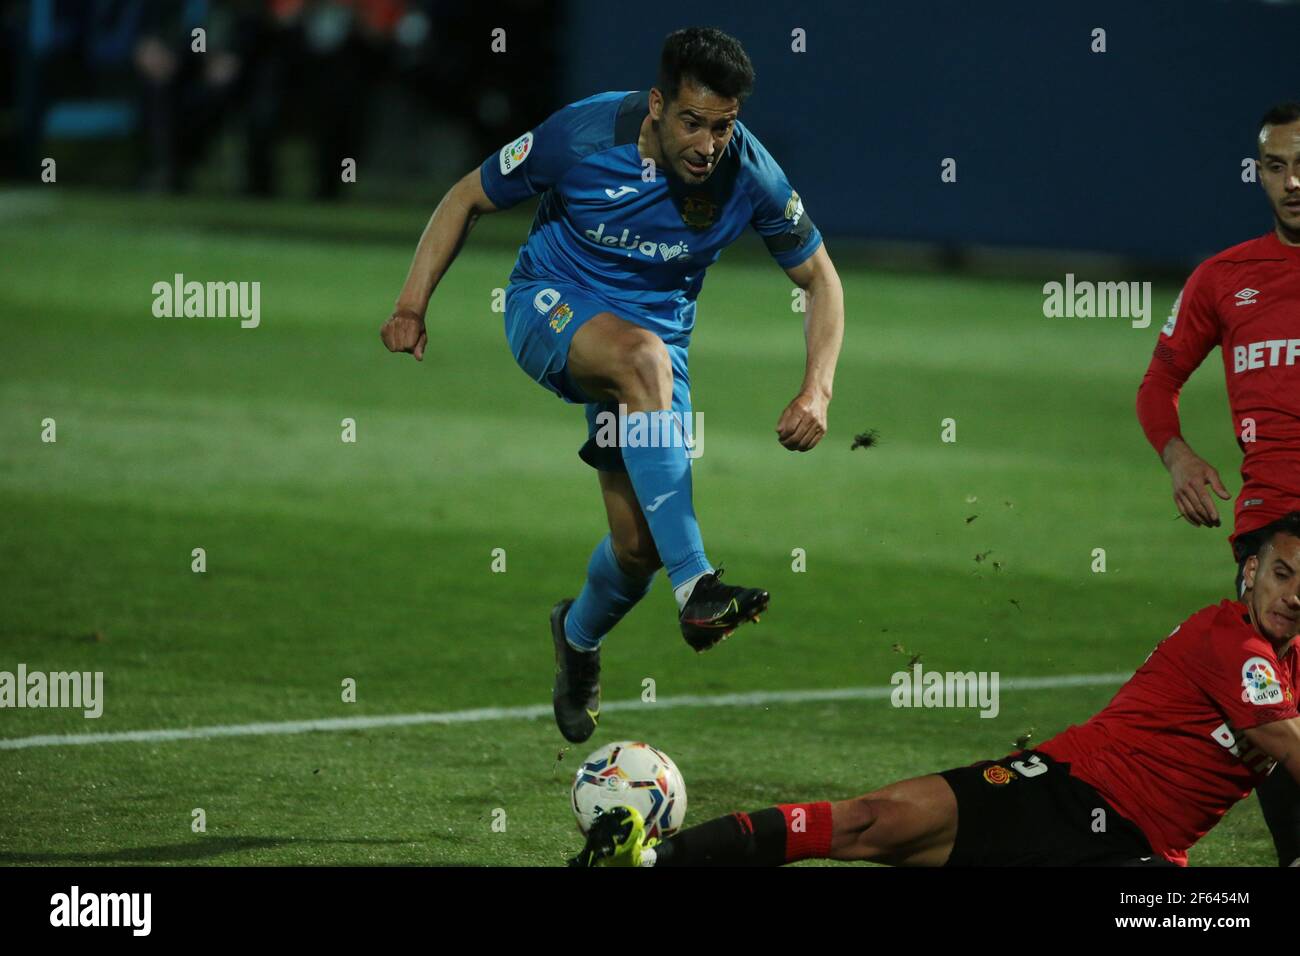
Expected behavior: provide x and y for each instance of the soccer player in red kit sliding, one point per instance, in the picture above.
(1210, 713)
(1246, 300)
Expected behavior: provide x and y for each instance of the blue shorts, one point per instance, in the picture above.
(540, 322)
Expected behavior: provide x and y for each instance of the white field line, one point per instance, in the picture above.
(533, 712)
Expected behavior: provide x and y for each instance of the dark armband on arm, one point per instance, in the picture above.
(792, 238)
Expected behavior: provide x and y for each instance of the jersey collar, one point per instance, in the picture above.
(1290, 252)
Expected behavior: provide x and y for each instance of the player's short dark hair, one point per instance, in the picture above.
(709, 58)
(1281, 115)
(1287, 524)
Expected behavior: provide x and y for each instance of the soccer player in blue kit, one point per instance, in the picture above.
(640, 193)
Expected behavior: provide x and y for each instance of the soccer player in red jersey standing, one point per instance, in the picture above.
(1246, 300)
(1210, 714)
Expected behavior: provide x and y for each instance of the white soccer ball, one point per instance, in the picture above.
(633, 774)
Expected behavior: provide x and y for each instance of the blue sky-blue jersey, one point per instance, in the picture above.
(638, 242)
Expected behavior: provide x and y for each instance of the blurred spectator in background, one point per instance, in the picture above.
(266, 71)
(11, 21)
(341, 50)
(282, 66)
(184, 95)
(498, 96)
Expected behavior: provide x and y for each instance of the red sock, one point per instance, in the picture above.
(807, 829)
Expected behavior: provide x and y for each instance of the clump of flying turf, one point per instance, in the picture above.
(868, 439)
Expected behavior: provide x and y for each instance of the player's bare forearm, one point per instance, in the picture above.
(441, 241)
(803, 422)
(823, 333)
(1280, 740)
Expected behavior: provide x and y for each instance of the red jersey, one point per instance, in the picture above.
(1246, 300)
(1168, 751)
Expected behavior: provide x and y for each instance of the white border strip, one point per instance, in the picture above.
(533, 712)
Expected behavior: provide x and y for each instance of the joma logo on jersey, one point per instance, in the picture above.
(1246, 358)
(646, 247)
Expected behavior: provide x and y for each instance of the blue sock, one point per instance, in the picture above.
(661, 477)
(606, 596)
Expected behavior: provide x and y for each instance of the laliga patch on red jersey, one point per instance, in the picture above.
(1260, 685)
(1172, 322)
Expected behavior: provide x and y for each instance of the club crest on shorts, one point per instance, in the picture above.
(998, 774)
(560, 316)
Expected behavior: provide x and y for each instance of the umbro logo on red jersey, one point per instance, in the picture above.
(1246, 296)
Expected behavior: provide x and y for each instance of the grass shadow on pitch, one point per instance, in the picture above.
(201, 848)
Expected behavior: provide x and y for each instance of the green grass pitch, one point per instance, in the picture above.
(372, 561)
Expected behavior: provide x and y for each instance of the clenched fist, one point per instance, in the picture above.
(803, 423)
(404, 332)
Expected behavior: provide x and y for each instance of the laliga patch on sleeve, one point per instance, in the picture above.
(515, 153)
(1173, 317)
(1259, 682)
